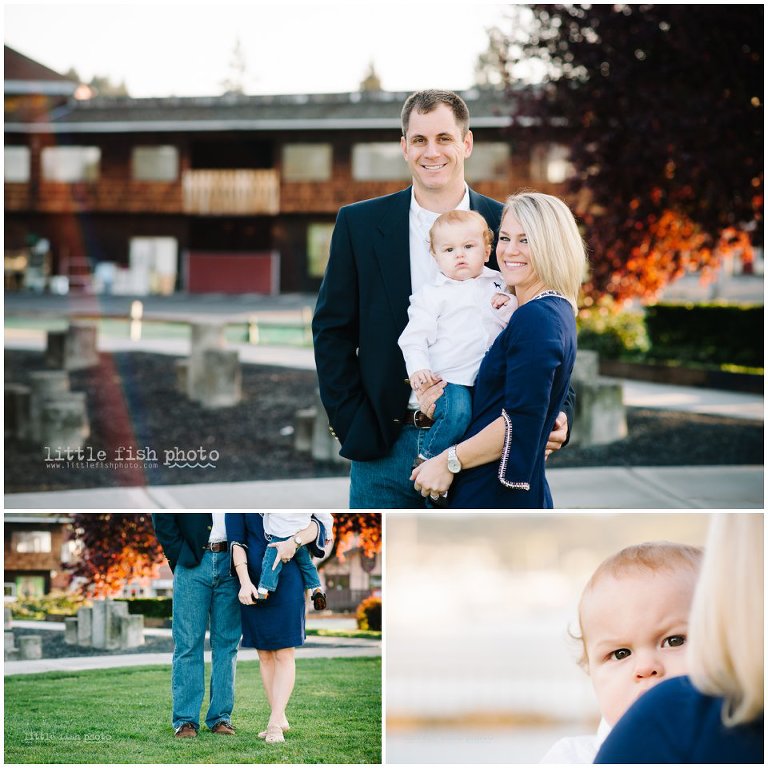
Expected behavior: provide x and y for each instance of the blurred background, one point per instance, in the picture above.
(480, 665)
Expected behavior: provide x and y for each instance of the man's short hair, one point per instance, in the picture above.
(425, 101)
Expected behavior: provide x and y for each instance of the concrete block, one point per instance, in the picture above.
(8, 618)
(220, 383)
(64, 421)
(44, 385)
(17, 410)
(600, 416)
(73, 349)
(305, 426)
(204, 336)
(99, 624)
(70, 631)
(115, 612)
(84, 626)
(131, 631)
(587, 366)
(31, 647)
(10, 644)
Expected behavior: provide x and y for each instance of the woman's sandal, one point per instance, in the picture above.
(274, 734)
(284, 728)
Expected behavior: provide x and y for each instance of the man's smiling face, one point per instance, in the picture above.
(435, 150)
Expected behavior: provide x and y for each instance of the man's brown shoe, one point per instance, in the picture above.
(223, 729)
(186, 731)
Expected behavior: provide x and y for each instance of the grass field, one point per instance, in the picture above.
(123, 716)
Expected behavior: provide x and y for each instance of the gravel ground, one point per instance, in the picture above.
(54, 646)
(132, 402)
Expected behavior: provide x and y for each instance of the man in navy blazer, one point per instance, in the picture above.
(379, 257)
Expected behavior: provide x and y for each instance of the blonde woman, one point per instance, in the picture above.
(715, 715)
(524, 378)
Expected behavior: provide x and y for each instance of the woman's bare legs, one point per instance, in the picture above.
(278, 675)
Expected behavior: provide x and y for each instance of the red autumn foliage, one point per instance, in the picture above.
(115, 549)
(365, 525)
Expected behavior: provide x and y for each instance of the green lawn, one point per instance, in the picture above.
(123, 716)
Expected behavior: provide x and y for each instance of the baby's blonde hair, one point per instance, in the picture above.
(460, 217)
(652, 556)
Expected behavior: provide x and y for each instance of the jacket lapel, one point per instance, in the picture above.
(392, 248)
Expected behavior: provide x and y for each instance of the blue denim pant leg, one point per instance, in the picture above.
(302, 558)
(385, 483)
(453, 412)
(225, 638)
(192, 591)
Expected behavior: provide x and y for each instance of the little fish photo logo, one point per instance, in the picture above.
(122, 457)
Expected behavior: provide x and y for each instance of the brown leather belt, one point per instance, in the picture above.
(418, 419)
(216, 546)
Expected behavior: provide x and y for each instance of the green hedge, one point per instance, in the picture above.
(717, 334)
(152, 607)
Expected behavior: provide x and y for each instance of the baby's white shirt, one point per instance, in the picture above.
(451, 325)
(577, 749)
(287, 524)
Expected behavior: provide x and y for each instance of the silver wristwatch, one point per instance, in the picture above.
(454, 465)
(298, 542)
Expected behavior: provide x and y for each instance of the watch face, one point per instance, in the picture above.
(453, 463)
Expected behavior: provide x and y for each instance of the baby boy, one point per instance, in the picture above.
(633, 618)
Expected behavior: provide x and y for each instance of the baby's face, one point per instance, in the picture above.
(460, 250)
(635, 629)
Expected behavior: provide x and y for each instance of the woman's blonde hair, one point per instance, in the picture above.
(557, 249)
(725, 645)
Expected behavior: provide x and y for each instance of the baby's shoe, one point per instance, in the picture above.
(319, 600)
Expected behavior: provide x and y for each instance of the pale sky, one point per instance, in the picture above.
(175, 49)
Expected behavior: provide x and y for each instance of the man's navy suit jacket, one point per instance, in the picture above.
(362, 309)
(183, 536)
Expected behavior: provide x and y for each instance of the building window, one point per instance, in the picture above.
(28, 542)
(71, 164)
(16, 164)
(379, 161)
(489, 161)
(318, 248)
(307, 162)
(155, 163)
(549, 163)
(30, 586)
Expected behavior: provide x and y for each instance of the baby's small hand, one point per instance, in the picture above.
(498, 300)
(421, 379)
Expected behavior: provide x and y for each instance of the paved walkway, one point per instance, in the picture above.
(732, 487)
(316, 647)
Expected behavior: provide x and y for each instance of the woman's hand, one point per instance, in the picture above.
(558, 435)
(285, 551)
(428, 396)
(433, 478)
(248, 593)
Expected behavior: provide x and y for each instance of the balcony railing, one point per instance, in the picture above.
(209, 192)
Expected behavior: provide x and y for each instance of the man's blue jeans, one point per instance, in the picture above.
(302, 558)
(453, 412)
(208, 591)
(385, 483)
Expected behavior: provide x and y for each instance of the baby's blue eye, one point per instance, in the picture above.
(621, 653)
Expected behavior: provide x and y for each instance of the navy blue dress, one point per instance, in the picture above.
(676, 723)
(524, 377)
(279, 621)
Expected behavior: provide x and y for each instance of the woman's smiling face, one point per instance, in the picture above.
(514, 256)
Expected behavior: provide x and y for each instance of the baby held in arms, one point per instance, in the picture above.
(453, 321)
(633, 618)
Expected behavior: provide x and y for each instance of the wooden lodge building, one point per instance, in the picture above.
(227, 194)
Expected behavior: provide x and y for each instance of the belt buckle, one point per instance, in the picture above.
(417, 418)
